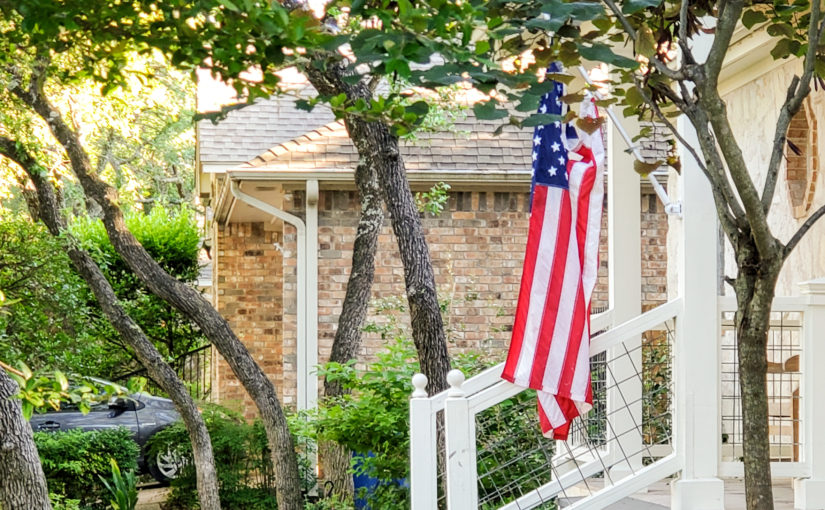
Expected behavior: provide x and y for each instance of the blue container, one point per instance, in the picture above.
(367, 482)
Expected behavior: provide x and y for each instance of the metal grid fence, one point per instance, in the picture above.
(783, 383)
(628, 427)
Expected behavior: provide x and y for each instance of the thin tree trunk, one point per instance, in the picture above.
(379, 147)
(22, 484)
(186, 300)
(335, 458)
(48, 208)
(755, 287)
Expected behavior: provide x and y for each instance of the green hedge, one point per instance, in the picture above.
(73, 462)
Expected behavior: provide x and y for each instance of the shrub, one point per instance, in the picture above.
(242, 459)
(73, 461)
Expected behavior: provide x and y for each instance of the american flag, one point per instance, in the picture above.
(550, 346)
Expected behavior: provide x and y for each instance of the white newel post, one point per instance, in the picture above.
(624, 405)
(460, 444)
(809, 493)
(423, 448)
(696, 424)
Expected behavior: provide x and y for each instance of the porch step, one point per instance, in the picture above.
(625, 504)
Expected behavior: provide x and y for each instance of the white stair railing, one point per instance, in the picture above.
(464, 400)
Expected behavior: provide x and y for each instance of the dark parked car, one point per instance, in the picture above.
(142, 414)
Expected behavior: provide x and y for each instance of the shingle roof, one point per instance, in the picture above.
(470, 146)
(247, 132)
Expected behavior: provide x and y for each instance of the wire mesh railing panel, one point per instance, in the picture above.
(783, 384)
(629, 427)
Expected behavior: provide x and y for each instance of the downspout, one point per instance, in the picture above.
(305, 355)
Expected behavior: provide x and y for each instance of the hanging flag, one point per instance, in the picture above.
(550, 346)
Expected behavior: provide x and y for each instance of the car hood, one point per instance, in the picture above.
(154, 402)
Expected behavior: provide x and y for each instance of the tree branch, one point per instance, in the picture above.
(673, 74)
(812, 219)
(798, 90)
(729, 15)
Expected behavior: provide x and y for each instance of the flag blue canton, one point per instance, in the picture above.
(549, 149)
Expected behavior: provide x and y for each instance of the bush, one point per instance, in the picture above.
(242, 459)
(373, 420)
(73, 462)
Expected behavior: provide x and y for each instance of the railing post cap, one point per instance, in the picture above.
(420, 384)
(815, 286)
(455, 378)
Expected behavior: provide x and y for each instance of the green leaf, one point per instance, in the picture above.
(781, 29)
(229, 5)
(482, 47)
(488, 111)
(634, 6)
(540, 119)
(645, 42)
(60, 377)
(753, 17)
(785, 48)
(603, 53)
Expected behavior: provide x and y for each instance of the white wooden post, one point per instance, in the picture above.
(625, 291)
(809, 493)
(423, 448)
(460, 442)
(696, 424)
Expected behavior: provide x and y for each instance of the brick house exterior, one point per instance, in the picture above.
(476, 243)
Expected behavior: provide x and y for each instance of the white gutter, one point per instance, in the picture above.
(307, 291)
(670, 207)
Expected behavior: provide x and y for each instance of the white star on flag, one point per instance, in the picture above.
(555, 146)
(543, 108)
(537, 140)
(535, 155)
(561, 160)
(557, 124)
(553, 171)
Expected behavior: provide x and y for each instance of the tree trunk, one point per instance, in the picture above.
(335, 458)
(49, 210)
(185, 299)
(22, 484)
(379, 148)
(755, 288)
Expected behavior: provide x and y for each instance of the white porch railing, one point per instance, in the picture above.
(795, 372)
(604, 460)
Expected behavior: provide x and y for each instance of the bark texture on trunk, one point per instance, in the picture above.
(185, 299)
(49, 210)
(755, 288)
(22, 484)
(379, 148)
(335, 458)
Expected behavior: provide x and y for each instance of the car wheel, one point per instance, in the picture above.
(166, 465)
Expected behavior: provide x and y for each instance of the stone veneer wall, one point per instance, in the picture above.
(477, 247)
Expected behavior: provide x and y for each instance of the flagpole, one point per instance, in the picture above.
(670, 207)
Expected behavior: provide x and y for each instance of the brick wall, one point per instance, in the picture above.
(477, 247)
(248, 291)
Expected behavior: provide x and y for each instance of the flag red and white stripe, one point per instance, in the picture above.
(550, 346)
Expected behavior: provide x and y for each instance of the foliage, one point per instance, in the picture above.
(73, 461)
(242, 459)
(434, 200)
(123, 488)
(49, 319)
(54, 321)
(50, 389)
(174, 241)
(377, 399)
(61, 503)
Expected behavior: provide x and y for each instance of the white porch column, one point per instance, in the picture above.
(696, 427)
(625, 294)
(809, 493)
